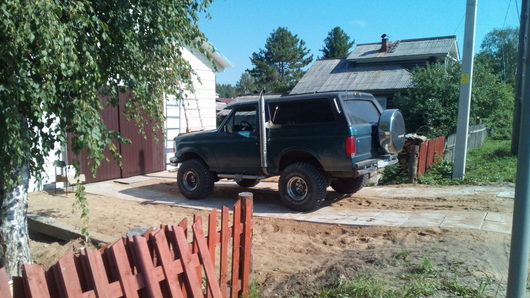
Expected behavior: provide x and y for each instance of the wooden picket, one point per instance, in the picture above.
(161, 263)
(430, 152)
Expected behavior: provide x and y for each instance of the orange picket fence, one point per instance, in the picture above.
(164, 262)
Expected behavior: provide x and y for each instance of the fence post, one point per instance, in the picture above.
(413, 162)
(246, 240)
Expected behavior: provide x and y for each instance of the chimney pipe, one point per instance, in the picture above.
(384, 43)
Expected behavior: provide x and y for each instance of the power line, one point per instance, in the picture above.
(506, 15)
(459, 23)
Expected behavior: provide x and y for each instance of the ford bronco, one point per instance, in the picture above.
(311, 141)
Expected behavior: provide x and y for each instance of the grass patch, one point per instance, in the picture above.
(493, 162)
(419, 280)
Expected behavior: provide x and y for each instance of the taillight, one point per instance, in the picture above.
(350, 146)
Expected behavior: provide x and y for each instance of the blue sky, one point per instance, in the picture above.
(238, 28)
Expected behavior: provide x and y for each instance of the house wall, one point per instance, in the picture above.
(183, 115)
(48, 175)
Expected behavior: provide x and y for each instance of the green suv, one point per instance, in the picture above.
(312, 141)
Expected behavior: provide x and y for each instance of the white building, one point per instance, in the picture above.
(194, 112)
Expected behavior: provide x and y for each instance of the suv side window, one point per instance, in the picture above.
(242, 122)
(302, 112)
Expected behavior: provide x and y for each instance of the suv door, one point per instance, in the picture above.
(237, 147)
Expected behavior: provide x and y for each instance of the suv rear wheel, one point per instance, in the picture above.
(302, 187)
(349, 185)
(248, 182)
(194, 179)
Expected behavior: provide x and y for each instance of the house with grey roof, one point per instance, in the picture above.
(381, 68)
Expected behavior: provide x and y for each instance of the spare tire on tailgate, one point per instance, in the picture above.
(391, 131)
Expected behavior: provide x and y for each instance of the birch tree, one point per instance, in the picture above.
(56, 58)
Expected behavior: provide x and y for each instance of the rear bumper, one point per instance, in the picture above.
(371, 165)
(366, 166)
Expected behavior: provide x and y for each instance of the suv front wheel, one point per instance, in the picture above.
(302, 187)
(194, 179)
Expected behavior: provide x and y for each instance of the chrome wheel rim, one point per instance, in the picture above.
(190, 180)
(297, 188)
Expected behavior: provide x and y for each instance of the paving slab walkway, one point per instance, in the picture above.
(476, 220)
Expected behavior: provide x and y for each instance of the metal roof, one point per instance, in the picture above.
(407, 49)
(339, 75)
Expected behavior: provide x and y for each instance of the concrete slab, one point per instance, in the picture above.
(424, 219)
(498, 217)
(510, 194)
(331, 214)
(134, 179)
(464, 220)
(499, 227)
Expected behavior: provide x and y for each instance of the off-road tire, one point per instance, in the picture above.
(349, 185)
(200, 185)
(248, 182)
(315, 184)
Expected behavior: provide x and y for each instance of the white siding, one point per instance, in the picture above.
(48, 174)
(202, 98)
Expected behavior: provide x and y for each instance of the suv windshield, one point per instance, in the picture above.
(361, 111)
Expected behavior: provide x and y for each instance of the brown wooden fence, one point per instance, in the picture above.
(430, 151)
(163, 262)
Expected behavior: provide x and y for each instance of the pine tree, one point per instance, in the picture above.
(280, 65)
(246, 84)
(337, 44)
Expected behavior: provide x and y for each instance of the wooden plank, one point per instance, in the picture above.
(194, 284)
(247, 244)
(430, 153)
(184, 225)
(212, 233)
(146, 267)
(67, 277)
(4, 284)
(223, 255)
(120, 262)
(35, 281)
(212, 239)
(19, 290)
(196, 219)
(164, 254)
(206, 258)
(52, 283)
(439, 150)
(422, 159)
(235, 249)
(96, 273)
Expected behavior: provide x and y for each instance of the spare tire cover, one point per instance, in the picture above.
(391, 131)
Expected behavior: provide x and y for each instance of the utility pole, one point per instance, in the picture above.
(464, 102)
(519, 94)
(520, 244)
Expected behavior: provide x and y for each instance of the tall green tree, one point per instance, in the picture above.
(246, 84)
(225, 90)
(281, 64)
(499, 52)
(56, 58)
(337, 44)
(430, 107)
